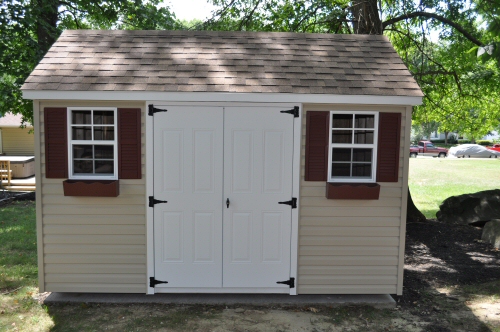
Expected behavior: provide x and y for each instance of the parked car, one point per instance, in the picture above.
(427, 148)
(473, 151)
(495, 147)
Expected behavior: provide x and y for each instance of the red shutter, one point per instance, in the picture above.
(129, 143)
(317, 133)
(389, 138)
(56, 143)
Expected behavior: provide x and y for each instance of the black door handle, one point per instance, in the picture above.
(227, 203)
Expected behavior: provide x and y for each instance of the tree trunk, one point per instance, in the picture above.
(46, 24)
(413, 214)
(366, 17)
(446, 137)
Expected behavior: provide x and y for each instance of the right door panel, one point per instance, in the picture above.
(258, 147)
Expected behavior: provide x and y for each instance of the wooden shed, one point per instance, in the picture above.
(221, 162)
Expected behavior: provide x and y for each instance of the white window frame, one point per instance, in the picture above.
(372, 146)
(72, 142)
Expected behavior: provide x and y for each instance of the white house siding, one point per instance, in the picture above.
(17, 141)
(92, 244)
(350, 246)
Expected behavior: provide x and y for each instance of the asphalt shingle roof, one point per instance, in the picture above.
(203, 61)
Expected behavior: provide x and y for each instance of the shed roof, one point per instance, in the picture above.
(205, 61)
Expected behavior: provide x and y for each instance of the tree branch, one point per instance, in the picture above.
(436, 17)
(249, 16)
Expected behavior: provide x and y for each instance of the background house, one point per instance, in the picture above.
(14, 140)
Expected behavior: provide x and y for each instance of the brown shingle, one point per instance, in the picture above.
(199, 61)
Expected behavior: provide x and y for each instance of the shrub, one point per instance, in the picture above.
(463, 141)
(484, 142)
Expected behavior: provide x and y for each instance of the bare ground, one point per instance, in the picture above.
(451, 284)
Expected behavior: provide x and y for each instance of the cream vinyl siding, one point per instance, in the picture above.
(93, 244)
(18, 141)
(350, 246)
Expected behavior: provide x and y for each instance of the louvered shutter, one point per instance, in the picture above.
(317, 134)
(56, 143)
(129, 143)
(389, 136)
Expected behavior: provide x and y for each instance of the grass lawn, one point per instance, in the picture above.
(18, 270)
(432, 180)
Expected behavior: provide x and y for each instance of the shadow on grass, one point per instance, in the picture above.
(447, 257)
(18, 257)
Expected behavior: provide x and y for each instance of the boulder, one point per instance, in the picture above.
(491, 233)
(471, 209)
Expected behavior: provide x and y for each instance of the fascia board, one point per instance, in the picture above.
(222, 97)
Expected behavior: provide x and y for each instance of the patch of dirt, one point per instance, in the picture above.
(440, 255)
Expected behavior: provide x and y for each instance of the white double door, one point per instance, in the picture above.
(223, 172)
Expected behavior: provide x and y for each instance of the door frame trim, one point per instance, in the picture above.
(148, 135)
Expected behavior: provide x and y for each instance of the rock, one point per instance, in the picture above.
(471, 209)
(239, 310)
(491, 233)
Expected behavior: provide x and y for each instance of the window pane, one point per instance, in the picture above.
(361, 170)
(363, 137)
(341, 154)
(81, 117)
(82, 166)
(362, 155)
(339, 169)
(82, 133)
(82, 151)
(104, 117)
(341, 120)
(104, 133)
(103, 151)
(104, 167)
(342, 136)
(364, 121)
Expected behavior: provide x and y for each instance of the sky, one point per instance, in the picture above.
(189, 9)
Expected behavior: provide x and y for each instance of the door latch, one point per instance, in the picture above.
(227, 203)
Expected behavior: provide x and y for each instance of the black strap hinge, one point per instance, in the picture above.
(292, 202)
(153, 201)
(290, 282)
(294, 111)
(153, 282)
(152, 110)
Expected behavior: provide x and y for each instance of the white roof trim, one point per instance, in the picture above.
(222, 97)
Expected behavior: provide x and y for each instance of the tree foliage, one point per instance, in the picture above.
(29, 27)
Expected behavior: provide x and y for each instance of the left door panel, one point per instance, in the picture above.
(188, 166)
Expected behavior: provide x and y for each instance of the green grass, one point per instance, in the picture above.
(18, 270)
(432, 180)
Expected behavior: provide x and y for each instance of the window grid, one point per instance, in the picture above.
(105, 159)
(351, 158)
